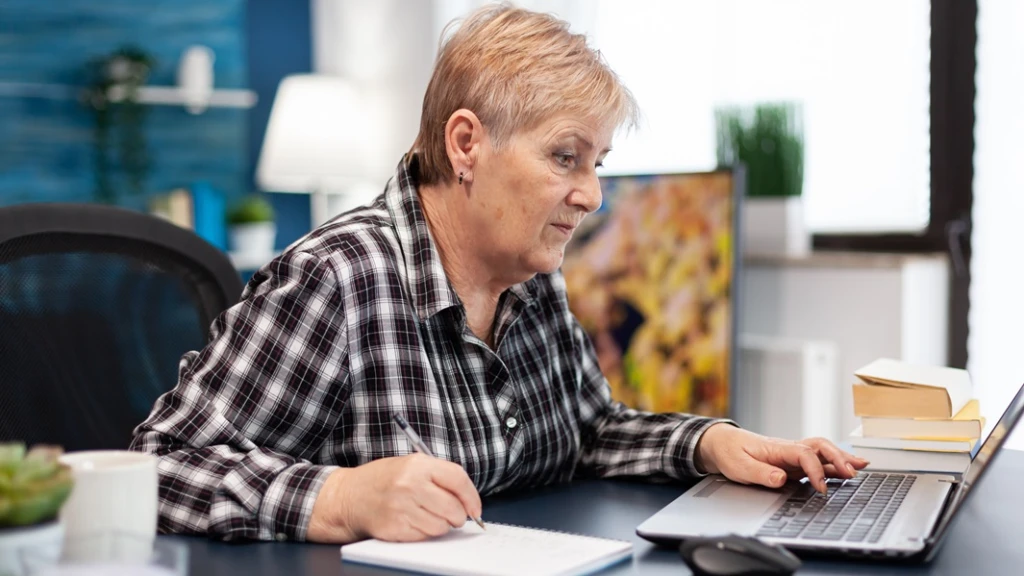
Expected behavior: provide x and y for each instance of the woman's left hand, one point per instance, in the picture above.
(748, 458)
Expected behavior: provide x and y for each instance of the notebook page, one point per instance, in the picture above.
(501, 550)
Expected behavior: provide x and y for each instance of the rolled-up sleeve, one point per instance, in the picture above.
(238, 434)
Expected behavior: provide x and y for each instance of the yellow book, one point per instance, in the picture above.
(967, 424)
(175, 206)
(857, 438)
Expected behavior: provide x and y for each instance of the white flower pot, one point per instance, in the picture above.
(14, 542)
(254, 239)
(775, 226)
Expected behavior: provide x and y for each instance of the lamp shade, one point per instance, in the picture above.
(314, 140)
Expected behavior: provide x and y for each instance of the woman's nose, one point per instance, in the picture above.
(588, 194)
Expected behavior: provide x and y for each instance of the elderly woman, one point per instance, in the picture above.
(440, 301)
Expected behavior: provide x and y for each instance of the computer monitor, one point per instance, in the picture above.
(652, 278)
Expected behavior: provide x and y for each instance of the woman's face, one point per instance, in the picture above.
(528, 198)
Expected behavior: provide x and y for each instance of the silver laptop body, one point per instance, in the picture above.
(878, 513)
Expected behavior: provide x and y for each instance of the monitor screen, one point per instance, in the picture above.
(651, 277)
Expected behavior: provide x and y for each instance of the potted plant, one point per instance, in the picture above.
(251, 226)
(33, 487)
(113, 96)
(767, 140)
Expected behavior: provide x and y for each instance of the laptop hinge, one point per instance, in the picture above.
(943, 519)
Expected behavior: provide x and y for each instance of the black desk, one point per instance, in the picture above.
(984, 540)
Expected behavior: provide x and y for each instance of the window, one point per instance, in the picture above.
(859, 69)
(997, 277)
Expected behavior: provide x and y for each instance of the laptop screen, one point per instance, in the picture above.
(983, 457)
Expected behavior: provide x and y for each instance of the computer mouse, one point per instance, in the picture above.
(735, 555)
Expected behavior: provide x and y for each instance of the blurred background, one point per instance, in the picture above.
(888, 228)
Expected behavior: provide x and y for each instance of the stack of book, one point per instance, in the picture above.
(200, 209)
(915, 418)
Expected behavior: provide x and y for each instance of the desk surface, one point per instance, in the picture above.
(983, 540)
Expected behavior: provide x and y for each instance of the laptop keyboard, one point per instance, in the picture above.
(855, 510)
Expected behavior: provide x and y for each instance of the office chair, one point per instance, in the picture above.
(97, 306)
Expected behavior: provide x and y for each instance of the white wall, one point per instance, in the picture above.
(387, 51)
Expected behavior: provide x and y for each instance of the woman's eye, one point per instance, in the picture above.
(565, 159)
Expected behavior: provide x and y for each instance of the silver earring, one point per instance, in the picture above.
(460, 177)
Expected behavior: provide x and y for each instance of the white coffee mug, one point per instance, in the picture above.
(114, 498)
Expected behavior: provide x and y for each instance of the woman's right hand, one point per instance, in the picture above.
(399, 499)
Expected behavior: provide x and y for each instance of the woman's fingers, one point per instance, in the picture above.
(753, 459)
(427, 524)
(403, 498)
(771, 466)
(755, 472)
(793, 456)
(442, 504)
(830, 472)
(453, 478)
(845, 464)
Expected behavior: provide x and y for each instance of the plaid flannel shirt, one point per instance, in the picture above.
(357, 321)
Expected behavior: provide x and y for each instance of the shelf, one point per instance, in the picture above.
(840, 259)
(170, 95)
(159, 95)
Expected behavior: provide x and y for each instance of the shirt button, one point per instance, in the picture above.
(511, 422)
(281, 537)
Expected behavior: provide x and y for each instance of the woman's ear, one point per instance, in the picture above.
(463, 138)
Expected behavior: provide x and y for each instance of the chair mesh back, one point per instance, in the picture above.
(91, 332)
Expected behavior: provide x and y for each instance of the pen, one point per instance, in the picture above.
(419, 446)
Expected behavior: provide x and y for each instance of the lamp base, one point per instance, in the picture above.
(319, 208)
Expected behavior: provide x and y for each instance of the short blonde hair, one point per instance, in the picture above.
(514, 68)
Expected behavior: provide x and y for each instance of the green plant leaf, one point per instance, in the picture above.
(768, 140)
(33, 484)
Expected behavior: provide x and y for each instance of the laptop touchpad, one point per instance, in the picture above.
(715, 506)
(724, 505)
(752, 497)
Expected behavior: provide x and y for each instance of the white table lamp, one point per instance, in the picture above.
(316, 144)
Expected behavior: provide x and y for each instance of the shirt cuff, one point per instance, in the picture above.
(680, 454)
(288, 502)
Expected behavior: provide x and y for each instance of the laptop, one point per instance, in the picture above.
(890, 514)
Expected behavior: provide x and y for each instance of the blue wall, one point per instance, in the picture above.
(46, 150)
(280, 43)
(46, 145)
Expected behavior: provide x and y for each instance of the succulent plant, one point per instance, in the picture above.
(33, 484)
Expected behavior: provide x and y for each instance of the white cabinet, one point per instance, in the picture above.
(788, 387)
(868, 305)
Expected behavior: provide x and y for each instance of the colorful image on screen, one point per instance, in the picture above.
(651, 279)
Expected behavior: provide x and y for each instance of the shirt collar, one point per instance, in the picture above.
(431, 292)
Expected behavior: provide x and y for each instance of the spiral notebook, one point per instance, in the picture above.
(501, 550)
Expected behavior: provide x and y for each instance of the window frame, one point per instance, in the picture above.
(953, 41)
